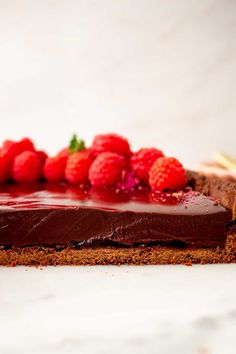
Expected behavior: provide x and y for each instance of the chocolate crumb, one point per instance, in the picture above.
(34, 256)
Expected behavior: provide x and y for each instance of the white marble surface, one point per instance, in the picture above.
(133, 310)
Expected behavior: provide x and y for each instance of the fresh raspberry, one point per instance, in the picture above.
(42, 156)
(12, 148)
(5, 167)
(77, 168)
(107, 169)
(54, 168)
(26, 167)
(110, 143)
(64, 153)
(167, 173)
(142, 161)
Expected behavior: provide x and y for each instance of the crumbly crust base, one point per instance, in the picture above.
(44, 256)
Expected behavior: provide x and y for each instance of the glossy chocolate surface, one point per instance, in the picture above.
(61, 215)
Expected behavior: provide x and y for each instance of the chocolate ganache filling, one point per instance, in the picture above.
(61, 215)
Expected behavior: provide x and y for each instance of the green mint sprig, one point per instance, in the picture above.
(76, 144)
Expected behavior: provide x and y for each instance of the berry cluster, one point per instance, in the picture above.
(20, 161)
(108, 162)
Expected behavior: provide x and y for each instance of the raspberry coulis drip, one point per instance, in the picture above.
(60, 195)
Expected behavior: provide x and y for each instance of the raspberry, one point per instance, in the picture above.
(142, 161)
(77, 168)
(42, 156)
(110, 143)
(167, 173)
(64, 153)
(12, 148)
(54, 168)
(5, 167)
(26, 167)
(107, 169)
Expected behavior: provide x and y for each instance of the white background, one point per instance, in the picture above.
(162, 73)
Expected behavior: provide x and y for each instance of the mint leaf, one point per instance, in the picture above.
(76, 144)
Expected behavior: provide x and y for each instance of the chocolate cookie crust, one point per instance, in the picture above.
(44, 256)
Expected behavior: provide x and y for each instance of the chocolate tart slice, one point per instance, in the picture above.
(60, 225)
